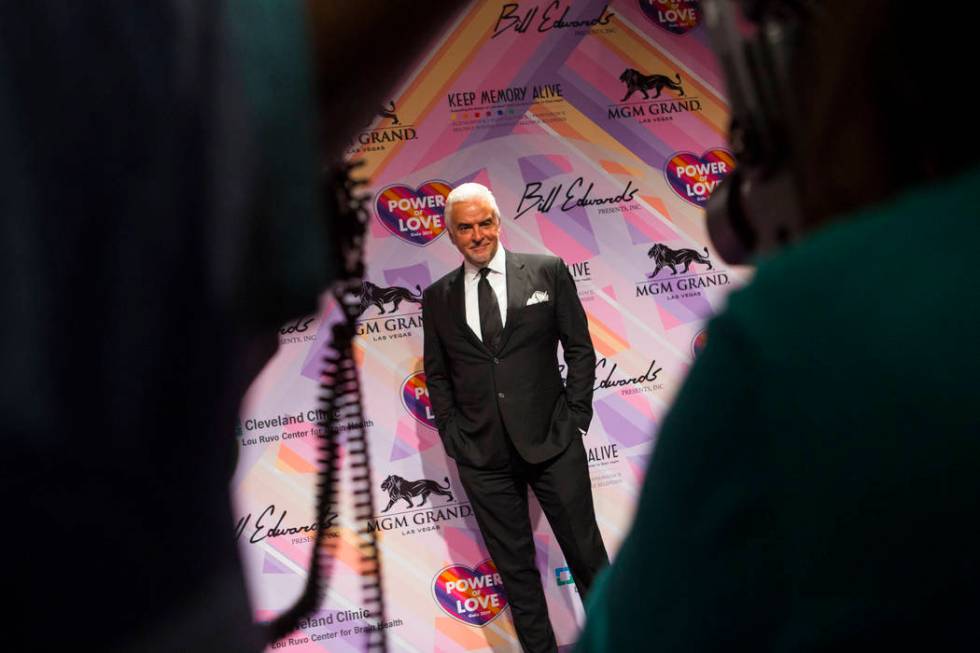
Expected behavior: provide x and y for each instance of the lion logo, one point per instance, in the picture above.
(389, 112)
(637, 81)
(378, 296)
(398, 488)
(667, 257)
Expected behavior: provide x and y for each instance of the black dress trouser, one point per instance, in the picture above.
(499, 500)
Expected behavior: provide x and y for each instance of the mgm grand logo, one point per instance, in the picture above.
(385, 135)
(389, 112)
(686, 283)
(417, 518)
(652, 108)
(400, 489)
(384, 323)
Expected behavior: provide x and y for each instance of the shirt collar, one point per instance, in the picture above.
(496, 264)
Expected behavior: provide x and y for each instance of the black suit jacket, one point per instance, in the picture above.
(475, 392)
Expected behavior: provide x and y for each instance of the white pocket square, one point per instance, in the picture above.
(538, 297)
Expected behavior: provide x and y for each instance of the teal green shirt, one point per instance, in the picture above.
(816, 485)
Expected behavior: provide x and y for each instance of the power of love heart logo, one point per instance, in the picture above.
(473, 596)
(415, 397)
(675, 16)
(694, 177)
(414, 214)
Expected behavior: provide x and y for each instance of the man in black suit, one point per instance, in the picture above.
(492, 329)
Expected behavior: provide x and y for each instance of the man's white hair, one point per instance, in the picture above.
(469, 192)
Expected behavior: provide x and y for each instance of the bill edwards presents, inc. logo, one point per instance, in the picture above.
(553, 16)
(576, 195)
(694, 177)
(609, 377)
(474, 596)
(270, 524)
(414, 214)
(298, 330)
(415, 398)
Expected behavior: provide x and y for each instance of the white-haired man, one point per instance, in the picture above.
(492, 329)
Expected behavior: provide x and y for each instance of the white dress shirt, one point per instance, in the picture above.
(498, 283)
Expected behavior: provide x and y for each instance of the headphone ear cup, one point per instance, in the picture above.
(757, 207)
(729, 229)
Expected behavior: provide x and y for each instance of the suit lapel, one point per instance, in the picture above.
(457, 306)
(518, 290)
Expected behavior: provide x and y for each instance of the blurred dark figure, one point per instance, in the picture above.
(816, 484)
(151, 229)
(158, 220)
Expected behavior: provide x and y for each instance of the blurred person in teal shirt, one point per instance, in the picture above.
(816, 484)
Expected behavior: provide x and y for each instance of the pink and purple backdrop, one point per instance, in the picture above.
(537, 101)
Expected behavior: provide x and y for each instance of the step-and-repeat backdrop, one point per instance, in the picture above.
(600, 127)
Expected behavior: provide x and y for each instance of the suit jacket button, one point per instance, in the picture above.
(500, 395)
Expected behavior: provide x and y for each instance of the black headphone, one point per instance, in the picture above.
(757, 207)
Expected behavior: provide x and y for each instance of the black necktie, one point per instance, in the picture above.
(490, 324)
